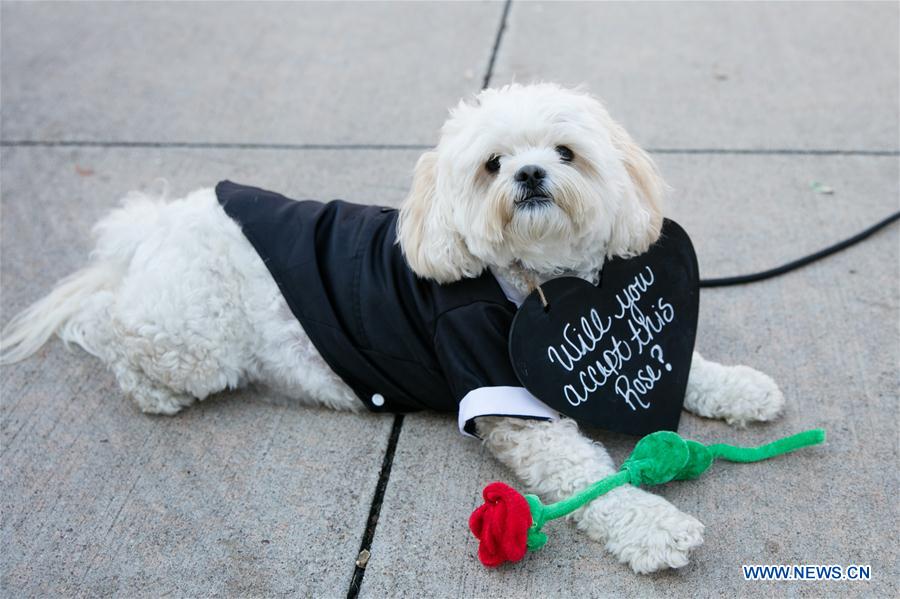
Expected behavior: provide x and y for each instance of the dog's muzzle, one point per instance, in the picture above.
(534, 200)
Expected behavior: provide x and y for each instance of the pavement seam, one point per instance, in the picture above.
(205, 145)
(375, 510)
(489, 73)
(776, 151)
(200, 145)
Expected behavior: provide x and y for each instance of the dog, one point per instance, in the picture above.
(527, 183)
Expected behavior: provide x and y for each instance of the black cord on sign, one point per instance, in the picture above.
(800, 262)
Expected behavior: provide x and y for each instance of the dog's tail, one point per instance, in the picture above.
(31, 328)
(118, 237)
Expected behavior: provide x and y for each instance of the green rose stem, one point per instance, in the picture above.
(659, 458)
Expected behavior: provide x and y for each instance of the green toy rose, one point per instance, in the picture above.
(509, 523)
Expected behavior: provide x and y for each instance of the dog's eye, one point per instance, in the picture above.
(565, 153)
(493, 164)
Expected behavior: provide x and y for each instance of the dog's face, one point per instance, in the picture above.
(535, 177)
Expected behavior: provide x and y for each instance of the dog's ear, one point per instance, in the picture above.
(430, 244)
(639, 219)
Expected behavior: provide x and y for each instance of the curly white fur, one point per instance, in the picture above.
(169, 343)
(180, 306)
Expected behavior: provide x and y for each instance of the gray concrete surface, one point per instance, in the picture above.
(99, 500)
(713, 75)
(234, 72)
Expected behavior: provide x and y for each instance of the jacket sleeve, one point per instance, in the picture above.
(471, 344)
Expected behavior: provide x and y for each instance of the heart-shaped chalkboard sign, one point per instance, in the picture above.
(614, 355)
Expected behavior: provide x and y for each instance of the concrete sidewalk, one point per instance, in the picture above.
(743, 106)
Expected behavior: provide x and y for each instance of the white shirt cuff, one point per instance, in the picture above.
(500, 401)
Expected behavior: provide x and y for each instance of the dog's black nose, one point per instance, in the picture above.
(530, 175)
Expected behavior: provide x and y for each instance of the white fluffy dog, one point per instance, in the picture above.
(527, 183)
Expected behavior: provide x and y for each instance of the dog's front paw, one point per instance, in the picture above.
(750, 396)
(643, 530)
(735, 394)
(658, 539)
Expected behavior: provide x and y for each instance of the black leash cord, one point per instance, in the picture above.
(800, 262)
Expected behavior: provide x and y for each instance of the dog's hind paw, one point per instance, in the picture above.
(156, 400)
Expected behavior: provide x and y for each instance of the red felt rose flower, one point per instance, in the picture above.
(501, 525)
